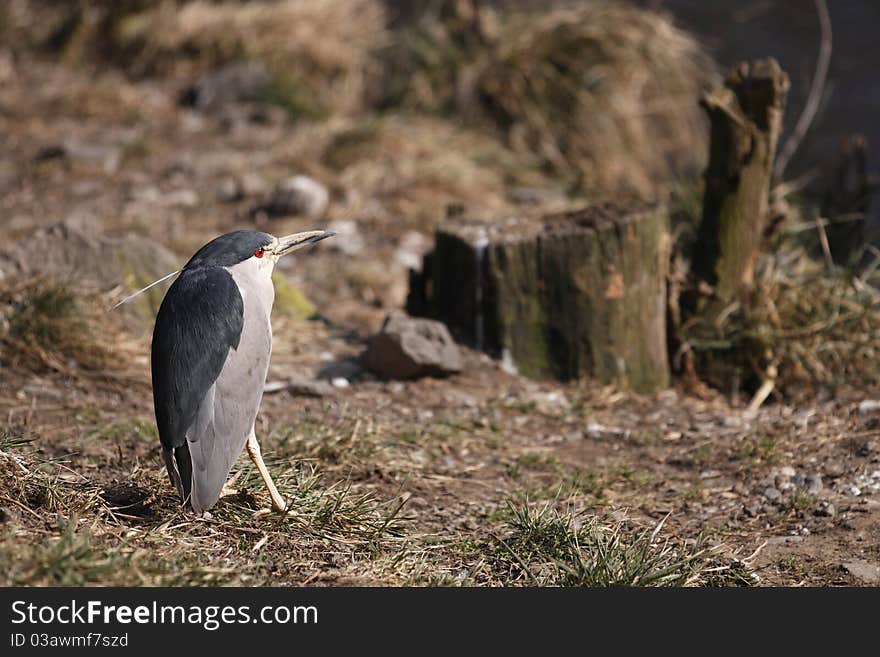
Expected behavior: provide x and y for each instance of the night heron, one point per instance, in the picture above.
(210, 356)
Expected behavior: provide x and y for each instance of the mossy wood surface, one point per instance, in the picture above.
(581, 294)
(746, 119)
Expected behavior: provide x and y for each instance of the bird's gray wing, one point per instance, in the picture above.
(200, 320)
(228, 411)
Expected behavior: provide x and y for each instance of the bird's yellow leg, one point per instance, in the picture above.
(253, 450)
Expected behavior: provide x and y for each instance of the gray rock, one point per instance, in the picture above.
(867, 572)
(300, 386)
(825, 509)
(772, 494)
(234, 83)
(813, 483)
(345, 368)
(296, 196)
(408, 347)
(86, 261)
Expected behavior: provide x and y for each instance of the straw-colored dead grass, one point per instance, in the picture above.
(605, 95)
(807, 328)
(320, 51)
(324, 45)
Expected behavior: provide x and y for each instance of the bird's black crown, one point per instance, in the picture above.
(229, 249)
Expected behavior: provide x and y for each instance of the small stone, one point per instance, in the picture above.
(868, 406)
(300, 386)
(787, 471)
(867, 572)
(813, 483)
(339, 382)
(784, 485)
(296, 196)
(408, 347)
(346, 368)
(233, 83)
(854, 490)
(825, 510)
(772, 494)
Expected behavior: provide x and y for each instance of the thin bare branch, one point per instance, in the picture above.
(817, 90)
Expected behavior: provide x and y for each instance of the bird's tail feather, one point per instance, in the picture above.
(179, 466)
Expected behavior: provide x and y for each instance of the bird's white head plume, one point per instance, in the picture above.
(144, 289)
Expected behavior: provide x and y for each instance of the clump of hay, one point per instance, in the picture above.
(806, 327)
(321, 49)
(326, 45)
(605, 95)
(44, 326)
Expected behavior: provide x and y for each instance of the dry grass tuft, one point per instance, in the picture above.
(807, 327)
(606, 96)
(47, 328)
(66, 530)
(546, 546)
(321, 51)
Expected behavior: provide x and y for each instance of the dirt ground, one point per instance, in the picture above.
(390, 483)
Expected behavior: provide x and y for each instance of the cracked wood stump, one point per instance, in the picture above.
(580, 294)
(746, 118)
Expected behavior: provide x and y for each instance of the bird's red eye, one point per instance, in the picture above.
(258, 253)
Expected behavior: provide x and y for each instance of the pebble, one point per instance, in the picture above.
(296, 196)
(340, 382)
(826, 509)
(813, 483)
(772, 494)
(868, 406)
(863, 570)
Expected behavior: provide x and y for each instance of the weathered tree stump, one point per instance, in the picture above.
(565, 296)
(746, 118)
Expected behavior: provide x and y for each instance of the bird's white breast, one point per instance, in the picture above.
(254, 280)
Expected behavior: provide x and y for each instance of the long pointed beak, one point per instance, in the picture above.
(298, 240)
